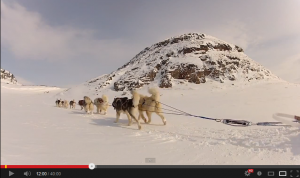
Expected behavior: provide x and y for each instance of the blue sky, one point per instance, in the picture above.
(66, 42)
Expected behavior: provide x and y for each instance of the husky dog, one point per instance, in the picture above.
(89, 107)
(151, 104)
(57, 102)
(102, 104)
(82, 104)
(66, 104)
(128, 107)
(72, 104)
(61, 103)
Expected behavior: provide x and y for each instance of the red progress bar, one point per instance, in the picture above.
(45, 166)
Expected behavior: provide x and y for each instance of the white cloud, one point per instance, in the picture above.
(29, 37)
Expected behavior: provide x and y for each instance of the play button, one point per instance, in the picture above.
(10, 173)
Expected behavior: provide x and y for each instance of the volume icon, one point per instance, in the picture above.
(27, 173)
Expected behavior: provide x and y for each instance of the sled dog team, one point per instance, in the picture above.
(86, 104)
(134, 108)
(65, 103)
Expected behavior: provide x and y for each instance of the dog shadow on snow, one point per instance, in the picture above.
(105, 121)
(123, 123)
(110, 121)
(82, 112)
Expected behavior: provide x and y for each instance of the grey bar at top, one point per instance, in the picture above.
(201, 166)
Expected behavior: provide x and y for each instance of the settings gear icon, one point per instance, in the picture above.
(247, 173)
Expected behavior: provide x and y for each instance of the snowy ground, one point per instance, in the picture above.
(34, 131)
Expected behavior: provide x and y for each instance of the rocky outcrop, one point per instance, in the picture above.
(189, 58)
(7, 76)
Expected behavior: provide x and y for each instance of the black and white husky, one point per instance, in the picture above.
(57, 102)
(128, 107)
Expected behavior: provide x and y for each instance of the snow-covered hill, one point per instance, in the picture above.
(189, 58)
(8, 77)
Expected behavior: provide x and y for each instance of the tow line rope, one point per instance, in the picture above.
(233, 122)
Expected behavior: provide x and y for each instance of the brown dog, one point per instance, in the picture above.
(82, 104)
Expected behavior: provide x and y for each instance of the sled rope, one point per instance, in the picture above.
(292, 120)
(297, 118)
(172, 113)
(231, 122)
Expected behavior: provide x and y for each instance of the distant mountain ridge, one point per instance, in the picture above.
(188, 58)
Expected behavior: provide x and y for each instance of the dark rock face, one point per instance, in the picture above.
(165, 82)
(239, 49)
(189, 72)
(194, 49)
(193, 58)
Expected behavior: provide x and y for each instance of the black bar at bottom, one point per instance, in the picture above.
(153, 172)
